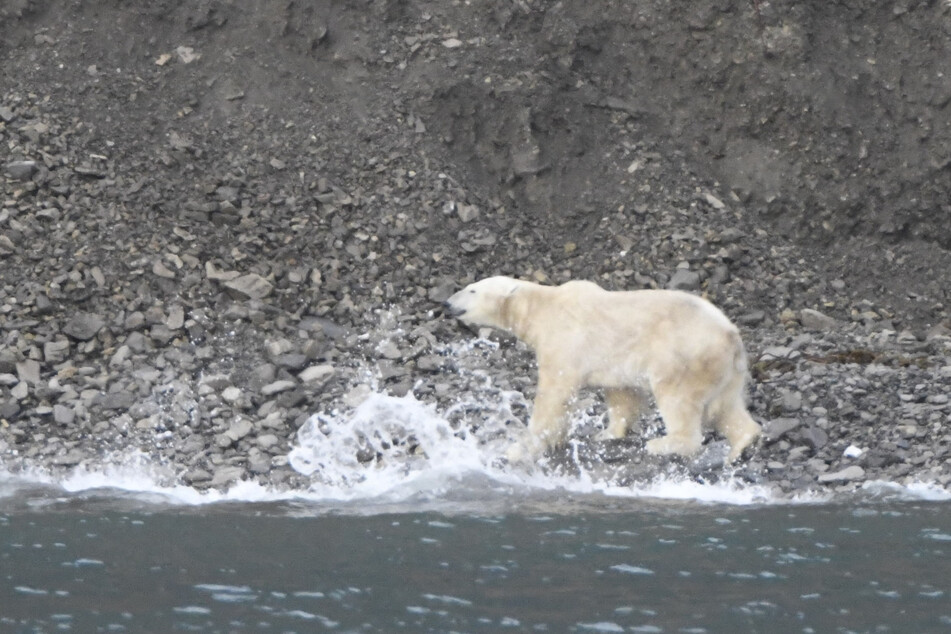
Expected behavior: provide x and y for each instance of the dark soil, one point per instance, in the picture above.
(345, 158)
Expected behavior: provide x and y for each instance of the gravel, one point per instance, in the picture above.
(199, 254)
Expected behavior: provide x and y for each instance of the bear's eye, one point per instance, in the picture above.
(472, 292)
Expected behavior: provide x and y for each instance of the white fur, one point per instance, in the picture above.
(675, 345)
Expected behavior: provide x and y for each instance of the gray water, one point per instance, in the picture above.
(105, 561)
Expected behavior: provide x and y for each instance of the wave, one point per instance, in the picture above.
(375, 452)
(399, 454)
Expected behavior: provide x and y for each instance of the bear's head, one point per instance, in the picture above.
(486, 302)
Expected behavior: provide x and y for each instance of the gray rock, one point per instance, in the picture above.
(116, 400)
(20, 391)
(849, 474)
(814, 320)
(63, 415)
(277, 387)
(252, 286)
(790, 400)
(239, 429)
(69, 459)
(161, 270)
(814, 437)
(778, 427)
(226, 475)
(232, 394)
(176, 318)
(196, 476)
(56, 351)
(21, 170)
(684, 280)
(83, 326)
(294, 361)
(29, 370)
(266, 441)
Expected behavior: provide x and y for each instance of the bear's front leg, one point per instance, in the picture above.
(625, 405)
(547, 427)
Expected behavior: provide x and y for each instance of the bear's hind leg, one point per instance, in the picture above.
(738, 427)
(683, 414)
(624, 407)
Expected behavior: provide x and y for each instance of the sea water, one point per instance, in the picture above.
(411, 523)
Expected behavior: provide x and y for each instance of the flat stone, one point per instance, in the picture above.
(56, 351)
(252, 286)
(83, 326)
(849, 474)
(316, 374)
(63, 415)
(239, 429)
(684, 280)
(814, 320)
(814, 437)
(29, 370)
(69, 459)
(277, 387)
(214, 273)
(163, 271)
(176, 318)
(231, 394)
(266, 441)
(292, 361)
(116, 400)
(195, 476)
(21, 170)
(226, 475)
(20, 391)
(779, 427)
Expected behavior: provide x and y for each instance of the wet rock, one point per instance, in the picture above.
(848, 474)
(225, 476)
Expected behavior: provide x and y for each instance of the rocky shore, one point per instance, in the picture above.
(219, 220)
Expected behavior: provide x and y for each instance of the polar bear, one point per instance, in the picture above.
(672, 344)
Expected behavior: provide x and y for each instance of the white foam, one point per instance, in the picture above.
(378, 451)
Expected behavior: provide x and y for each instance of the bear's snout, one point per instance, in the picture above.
(451, 309)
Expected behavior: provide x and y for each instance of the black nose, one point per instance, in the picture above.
(451, 310)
